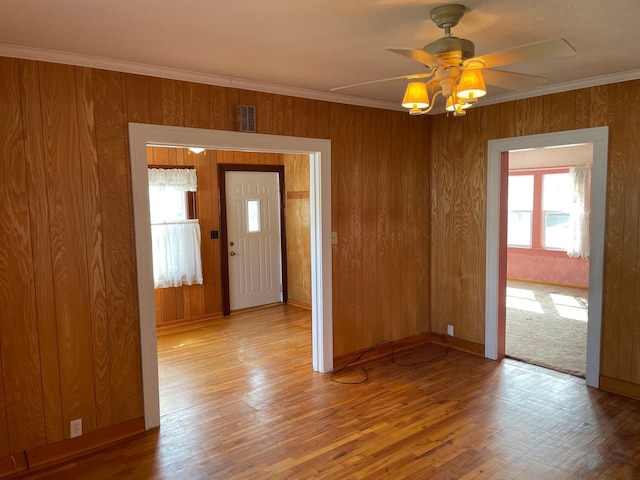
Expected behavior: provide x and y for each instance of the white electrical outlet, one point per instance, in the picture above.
(75, 428)
(450, 330)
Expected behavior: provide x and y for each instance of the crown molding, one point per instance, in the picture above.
(58, 56)
(563, 87)
(68, 58)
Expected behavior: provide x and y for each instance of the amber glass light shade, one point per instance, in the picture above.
(416, 96)
(471, 85)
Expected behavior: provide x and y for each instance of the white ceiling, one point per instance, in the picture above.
(310, 46)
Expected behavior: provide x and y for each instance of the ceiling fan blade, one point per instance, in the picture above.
(512, 81)
(555, 48)
(371, 82)
(416, 54)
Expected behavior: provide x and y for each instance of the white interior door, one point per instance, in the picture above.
(253, 236)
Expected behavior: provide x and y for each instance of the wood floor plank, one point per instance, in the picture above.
(239, 400)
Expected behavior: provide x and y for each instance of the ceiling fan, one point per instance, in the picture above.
(455, 74)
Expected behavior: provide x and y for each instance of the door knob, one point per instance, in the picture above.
(232, 253)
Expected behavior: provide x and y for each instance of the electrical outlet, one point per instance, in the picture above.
(450, 330)
(75, 428)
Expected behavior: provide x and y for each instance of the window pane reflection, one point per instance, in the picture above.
(253, 216)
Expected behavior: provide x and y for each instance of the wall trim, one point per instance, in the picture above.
(458, 343)
(69, 58)
(383, 350)
(620, 387)
(319, 151)
(599, 137)
(41, 457)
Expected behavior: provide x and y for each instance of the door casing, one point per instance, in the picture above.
(319, 150)
(496, 263)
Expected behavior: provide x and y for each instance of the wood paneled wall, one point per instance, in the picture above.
(69, 336)
(296, 176)
(197, 301)
(458, 213)
(69, 333)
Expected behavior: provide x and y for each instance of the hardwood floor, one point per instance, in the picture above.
(240, 400)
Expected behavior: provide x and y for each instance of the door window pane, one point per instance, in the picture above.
(253, 216)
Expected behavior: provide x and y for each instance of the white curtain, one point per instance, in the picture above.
(180, 179)
(580, 211)
(176, 254)
(175, 239)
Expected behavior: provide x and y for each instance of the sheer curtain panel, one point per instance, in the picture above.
(580, 211)
(175, 238)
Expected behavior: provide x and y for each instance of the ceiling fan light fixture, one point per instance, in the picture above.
(471, 84)
(459, 105)
(416, 97)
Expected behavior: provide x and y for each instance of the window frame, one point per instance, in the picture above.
(190, 198)
(538, 214)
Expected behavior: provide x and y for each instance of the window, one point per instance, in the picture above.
(539, 206)
(520, 210)
(175, 234)
(253, 216)
(557, 197)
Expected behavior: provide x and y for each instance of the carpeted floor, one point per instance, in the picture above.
(547, 326)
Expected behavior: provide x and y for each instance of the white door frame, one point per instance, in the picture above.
(599, 137)
(319, 151)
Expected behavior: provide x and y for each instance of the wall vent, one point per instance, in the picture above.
(246, 117)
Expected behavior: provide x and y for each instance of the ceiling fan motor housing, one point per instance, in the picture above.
(454, 48)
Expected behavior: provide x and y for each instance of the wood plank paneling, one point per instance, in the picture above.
(443, 171)
(356, 220)
(218, 108)
(264, 113)
(382, 322)
(23, 419)
(282, 115)
(205, 302)
(613, 269)
(628, 317)
(119, 249)
(369, 235)
(94, 246)
(68, 243)
(196, 105)
(50, 144)
(300, 114)
(41, 244)
(298, 230)
(563, 111)
(473, 228)
(137, 88)
(396, 227)
(172, 102)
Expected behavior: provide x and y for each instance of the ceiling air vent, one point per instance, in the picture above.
(246, 116)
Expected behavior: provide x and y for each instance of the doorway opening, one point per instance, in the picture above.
(495, 310)
(548, 209)
(319, 152)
